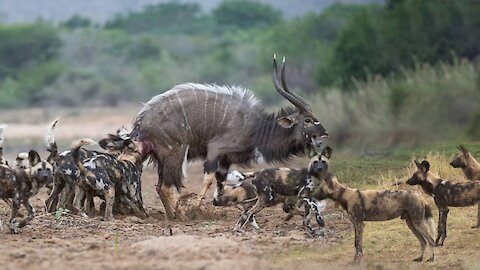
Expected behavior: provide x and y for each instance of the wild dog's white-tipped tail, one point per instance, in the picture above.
(49, 137)
(82, 142)
(2, 133)
(22, 156)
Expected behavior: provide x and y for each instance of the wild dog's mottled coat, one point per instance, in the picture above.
(114, 177)
(445, 193)
(471, 169)
(376, 205)
(245, 194)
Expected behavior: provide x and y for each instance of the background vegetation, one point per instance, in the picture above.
(378, 75)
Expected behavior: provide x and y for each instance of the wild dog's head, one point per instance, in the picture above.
(115, 143)
(233, 190)
(318, 166)
(422, 175)
(462, 159)
(319, 174)
(39, 170)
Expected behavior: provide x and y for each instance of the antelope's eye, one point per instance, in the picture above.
(308, 120)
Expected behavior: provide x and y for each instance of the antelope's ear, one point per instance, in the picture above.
(34, 158)
(287, 121)
(327, 152)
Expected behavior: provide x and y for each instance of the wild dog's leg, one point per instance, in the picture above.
(88, 205)
(109, 200)
(253, 222)
(421, 227)
(77, 200)
(478, 216)
(257, 207)
(444, 233)
(134, 207)
(307, 217)
(358, 225)
(31, 214)
(420, 238)
(439, 226)
(57, 188)
(13, 222)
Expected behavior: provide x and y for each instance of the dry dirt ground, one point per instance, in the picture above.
(206, 241)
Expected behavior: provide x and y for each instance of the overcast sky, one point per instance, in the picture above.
(99, 11)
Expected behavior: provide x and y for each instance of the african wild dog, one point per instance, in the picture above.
(221, 125)
(445, 194)
(471, 169)
(375, 205)
(20, 184)
(69, 188)
(270, 184)
(112, 177)
(242, 192)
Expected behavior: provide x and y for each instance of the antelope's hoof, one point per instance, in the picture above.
(476, 226)
(430, 260)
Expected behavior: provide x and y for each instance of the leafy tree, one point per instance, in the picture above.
(245, 14)
(170, 17)
(24, 46)
(77, 21)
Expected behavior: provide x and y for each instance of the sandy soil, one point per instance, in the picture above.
(206, 241)
(128, 242)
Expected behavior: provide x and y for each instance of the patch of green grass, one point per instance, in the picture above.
(390, 244)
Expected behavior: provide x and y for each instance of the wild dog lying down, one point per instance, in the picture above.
(67, 178)
(239, 190)
(114, 177)
(376, 205)
(271, 183)
(20, 184)
(445, 194)
(471, 169)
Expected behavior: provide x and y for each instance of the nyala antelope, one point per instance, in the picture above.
(221, 125)
(471, 169)
(375, 205)
(445, 193)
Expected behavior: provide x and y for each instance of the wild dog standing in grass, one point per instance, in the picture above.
(114, 177)
(375, 205)
(243, 193)
(471, 169)
(69, 188)
(270, 183)
(445, 194)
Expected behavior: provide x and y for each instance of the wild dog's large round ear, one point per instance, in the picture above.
(327, 152)
(418, 164)
(33, 157)
(425, 166)
(107, 144)
(463, 149)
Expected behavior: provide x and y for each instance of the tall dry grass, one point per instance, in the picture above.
(424, 104)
